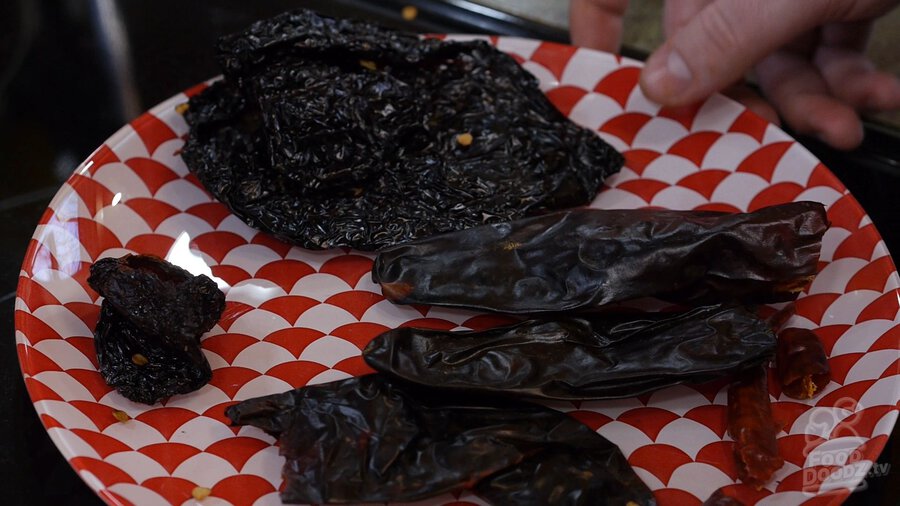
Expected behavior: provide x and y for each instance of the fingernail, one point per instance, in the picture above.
(667, 76)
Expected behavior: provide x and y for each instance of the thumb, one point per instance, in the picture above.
(724, 40)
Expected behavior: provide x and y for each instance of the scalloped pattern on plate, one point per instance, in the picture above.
(297, 317)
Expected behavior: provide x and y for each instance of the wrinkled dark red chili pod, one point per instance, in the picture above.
(802, 364)
(158, 297)
(753, 429)
(373, 439)
(597, 356)
(148, 336)
(585, 258)
(139, 366)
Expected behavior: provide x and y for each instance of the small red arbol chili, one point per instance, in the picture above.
(751, 425)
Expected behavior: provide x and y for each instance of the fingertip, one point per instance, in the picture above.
(884, 93)
(597, 24)
(764, 110)
(838, 126)
(754, 102)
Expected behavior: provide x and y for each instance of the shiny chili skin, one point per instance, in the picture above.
(158, 297)
(153, 314)
(581, 259)
(591, 357)
(162, 371)
(753, 429)
(372, 439)
(802, 364)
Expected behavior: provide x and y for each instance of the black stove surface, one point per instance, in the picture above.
(73, 71)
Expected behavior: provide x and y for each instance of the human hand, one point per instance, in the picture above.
(808, 57)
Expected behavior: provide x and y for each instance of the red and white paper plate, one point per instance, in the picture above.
(296, 317)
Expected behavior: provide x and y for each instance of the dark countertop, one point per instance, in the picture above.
(72, 72)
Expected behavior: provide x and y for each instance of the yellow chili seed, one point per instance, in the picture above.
(121, 416)
(200, 493)
(369, 64)
(181, 108)
(464, 139)
(409, 12)
(808, 387)
(139, 359)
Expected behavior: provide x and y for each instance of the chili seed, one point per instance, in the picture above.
(409, 12)
(200, 493)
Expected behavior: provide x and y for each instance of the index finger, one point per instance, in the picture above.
(721, 43)
(597, 23)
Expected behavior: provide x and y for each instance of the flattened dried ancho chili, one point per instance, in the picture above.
(148, 336)
(329, 132)
(585, 258)
(369, 439)
(594, 357)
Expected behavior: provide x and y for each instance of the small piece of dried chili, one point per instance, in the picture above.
(148, 336)
(158, 297)
(753, 429)
(801, 363)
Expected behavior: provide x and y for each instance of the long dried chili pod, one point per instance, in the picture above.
(801, 363)
(594, 357)
(585, 258)
(371, 439)
(751, 425)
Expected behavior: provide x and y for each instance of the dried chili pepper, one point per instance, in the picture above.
(168, 371)
(586, 258)
(718, 498)
(330, 132)
(753, 429)
(159, 298)
(148, 336)
(802, 364)
(370, 439)
(594, 357)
